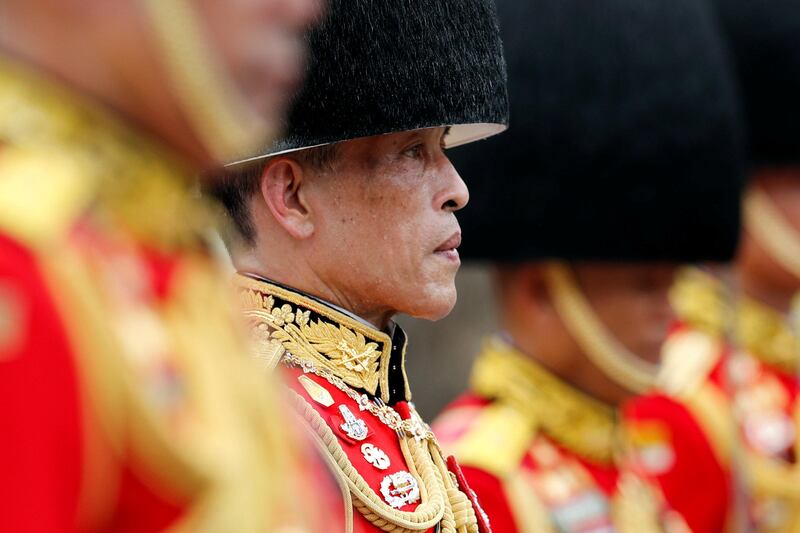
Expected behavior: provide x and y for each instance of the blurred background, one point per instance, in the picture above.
(440, 354)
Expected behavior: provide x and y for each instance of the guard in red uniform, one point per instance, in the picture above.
(586, 208)
(127, 402)
(726, 415)
(349, 219)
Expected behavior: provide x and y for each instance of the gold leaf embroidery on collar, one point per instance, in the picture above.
(336, 347)
(343, 345)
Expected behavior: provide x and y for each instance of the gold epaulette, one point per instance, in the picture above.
(698, 299)
(496, 441)
(687, 358)
(572, 418)
(43, 186)
(61, 154)
(40, 194)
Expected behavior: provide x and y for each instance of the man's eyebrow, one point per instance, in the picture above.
(446, 132)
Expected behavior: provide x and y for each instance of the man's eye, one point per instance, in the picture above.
(415, 151)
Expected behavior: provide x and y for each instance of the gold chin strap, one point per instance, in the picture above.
(769, 227)
(599, 345)
(214, 107)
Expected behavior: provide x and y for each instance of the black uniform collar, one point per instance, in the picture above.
(321, 333)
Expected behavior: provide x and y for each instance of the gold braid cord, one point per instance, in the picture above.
(459, 505)
(624, 367)
(442, 502)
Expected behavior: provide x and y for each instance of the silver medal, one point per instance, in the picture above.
(355, 428)
(399, 489)
(375, 456)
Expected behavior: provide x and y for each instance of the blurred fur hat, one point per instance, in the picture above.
(625, 141)
(764, 38)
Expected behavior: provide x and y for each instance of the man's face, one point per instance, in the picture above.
(631, 301)
(386, 233)
(260, 43)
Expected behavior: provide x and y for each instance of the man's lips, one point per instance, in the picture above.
(450, 244)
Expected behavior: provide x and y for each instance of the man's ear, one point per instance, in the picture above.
(524, 297)
(283, 188)
(533, 282)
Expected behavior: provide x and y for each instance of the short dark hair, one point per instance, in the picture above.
(235, 185)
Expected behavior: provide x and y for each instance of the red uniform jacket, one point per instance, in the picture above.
(127, 402)
(349, 384)
(705, 455)
(720, 437)
(540, 454)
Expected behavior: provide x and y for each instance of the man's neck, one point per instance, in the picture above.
(575, 370)
(308, 282)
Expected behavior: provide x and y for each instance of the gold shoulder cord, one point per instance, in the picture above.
(638, 507)
(598, 344)
(530, 514)
(442, 502)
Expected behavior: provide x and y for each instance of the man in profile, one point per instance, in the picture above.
(733, 409)
(620, 165)
(124, 404)
(350, 219)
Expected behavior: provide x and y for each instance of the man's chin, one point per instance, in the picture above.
(434, 304)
